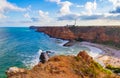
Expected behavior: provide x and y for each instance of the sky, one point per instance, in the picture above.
(59, 12)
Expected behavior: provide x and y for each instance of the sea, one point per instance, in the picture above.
(21, 47)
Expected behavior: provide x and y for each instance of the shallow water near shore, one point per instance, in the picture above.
(20, 47)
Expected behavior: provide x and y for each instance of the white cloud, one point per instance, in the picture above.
(116, 3)
(2, 15)
(65, 8)
(90, 7)
(116, 6)
(79, 6)
(6, 6)
(27, 15)
(94, 5)
(43, 14)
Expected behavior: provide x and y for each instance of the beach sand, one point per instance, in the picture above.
(103, 53)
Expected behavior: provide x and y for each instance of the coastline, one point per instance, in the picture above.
(109, 56)
(101, 52)
(104, 54)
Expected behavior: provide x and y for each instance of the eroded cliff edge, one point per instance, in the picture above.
(106, 35)
(80, 66)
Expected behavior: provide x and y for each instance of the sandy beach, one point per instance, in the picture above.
(102, 53)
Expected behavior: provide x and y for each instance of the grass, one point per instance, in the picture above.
(93, 69)
(102, 69)
(114, 69)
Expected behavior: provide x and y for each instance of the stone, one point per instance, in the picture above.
(14, 70)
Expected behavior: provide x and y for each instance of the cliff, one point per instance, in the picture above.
(106, 35)
(58, 32)
(80, 66)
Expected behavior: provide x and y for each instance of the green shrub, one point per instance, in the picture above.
(114, 69)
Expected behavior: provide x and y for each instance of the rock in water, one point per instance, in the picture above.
(14, 70)
(44, 57)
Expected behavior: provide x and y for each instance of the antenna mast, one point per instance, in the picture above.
(75, 22)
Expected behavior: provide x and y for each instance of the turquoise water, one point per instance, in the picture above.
(20, 47)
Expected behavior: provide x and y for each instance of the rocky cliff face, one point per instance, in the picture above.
(92, 34)
(80, 66)
(58, 32)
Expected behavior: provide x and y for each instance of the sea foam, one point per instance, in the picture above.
(33, 60)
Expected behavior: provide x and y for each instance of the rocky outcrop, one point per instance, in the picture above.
(14, 70)
(80, 66)
(85, 56)
(92, 34)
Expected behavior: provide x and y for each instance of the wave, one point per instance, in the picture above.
(32, 60)
(60, 41)
(94, 52)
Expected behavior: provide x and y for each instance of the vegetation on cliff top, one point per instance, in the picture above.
(114, 69)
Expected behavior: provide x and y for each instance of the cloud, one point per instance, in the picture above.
(117, 10)
(2, 15)
(68, 17)
(35, 19)
(114, 17)
(42, 17)
(91, 17)
(116, 6)
(116, 3)
(79, 6)
(26, 15)
(88, 11)
(80, 17)
(6, 6)
(43, 14)
(105, 16)
(90, 6)
(65, 8)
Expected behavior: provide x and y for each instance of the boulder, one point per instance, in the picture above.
(14, 70)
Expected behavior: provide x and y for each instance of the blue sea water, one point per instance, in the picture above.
(19, 46)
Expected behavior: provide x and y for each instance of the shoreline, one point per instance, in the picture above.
(107, 55)
(91, 34)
